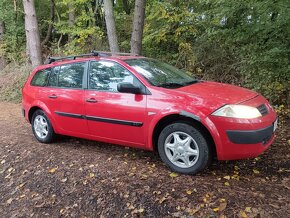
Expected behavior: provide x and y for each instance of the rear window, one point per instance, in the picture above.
(40, 78)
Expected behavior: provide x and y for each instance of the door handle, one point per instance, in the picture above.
(91, 100)
(52, 96)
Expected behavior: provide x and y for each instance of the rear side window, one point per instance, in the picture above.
(40, 78)
(71, 75)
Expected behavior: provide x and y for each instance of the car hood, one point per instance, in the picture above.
(214, 95)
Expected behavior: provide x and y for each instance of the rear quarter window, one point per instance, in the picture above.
(40, 78)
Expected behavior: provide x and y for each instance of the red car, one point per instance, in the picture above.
(144, 103)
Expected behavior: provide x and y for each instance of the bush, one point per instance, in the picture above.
(12, 79)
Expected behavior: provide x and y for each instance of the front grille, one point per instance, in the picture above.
(263, 109)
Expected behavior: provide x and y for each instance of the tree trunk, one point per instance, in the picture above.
(50, 26)
(2, 59)
(2, 29)
(71, 18)
(138, 25)
(111, 27)
(32, 33)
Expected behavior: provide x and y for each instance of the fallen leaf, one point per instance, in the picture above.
(222, 200)
(248, 209)
(188, 192)
(173, 175)
(288, 142)
(227, 184)
(227, 177)
(222, 206)
(92, 175)
(9, 201)
(256, 171)
(3, 161)
(216, 209)
(52, 170)
(11, 169)
(243, 214)
(161, 200)
(64, 180)
(21, 185)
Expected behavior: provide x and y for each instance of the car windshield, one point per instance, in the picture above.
(161, 74)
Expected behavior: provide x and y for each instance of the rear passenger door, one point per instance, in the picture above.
(64, 95)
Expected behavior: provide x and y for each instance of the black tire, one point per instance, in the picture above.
(45, 138)
(199, 142)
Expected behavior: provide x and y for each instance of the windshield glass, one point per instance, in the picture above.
(160, 74)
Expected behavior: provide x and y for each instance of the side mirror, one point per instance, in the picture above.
(128, 88)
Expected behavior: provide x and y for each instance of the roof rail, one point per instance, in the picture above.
(73, 57)
(93, 53)
(107, 53)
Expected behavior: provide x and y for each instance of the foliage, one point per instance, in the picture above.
(244, 42)
(12, 79)
(14, 38)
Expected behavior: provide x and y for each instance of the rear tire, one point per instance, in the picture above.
(184, 148)
(42, 128)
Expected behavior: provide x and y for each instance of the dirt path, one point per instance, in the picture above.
(75, 177)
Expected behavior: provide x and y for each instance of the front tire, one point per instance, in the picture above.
(42, 128)
(184, 148)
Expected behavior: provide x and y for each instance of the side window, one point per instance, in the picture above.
(106, 75)
(40, 78)
(71, 75)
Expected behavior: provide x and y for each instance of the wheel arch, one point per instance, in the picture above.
(41, 106)
(181, 117)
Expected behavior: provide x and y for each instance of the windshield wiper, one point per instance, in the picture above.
(170, 85)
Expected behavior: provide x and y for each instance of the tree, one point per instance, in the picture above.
(50, 25)
(111, 27)
(138, 26)
(32, 33)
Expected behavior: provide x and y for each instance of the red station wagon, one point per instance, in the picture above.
(144, 103)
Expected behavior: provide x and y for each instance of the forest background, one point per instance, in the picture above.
(245, 42)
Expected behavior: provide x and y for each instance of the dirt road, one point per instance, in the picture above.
(75, 177)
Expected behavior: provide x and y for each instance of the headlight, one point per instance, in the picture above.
(237, 111)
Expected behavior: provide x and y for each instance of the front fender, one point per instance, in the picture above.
(197, 115)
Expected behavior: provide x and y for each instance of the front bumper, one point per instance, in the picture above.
(243, 138)
(251, 136)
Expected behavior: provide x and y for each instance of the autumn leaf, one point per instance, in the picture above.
(222, 206)
(92, 175)
(248, 209)
(227, 177)
(227, 184)
(173, 175)
(243, 214)
(216, 209)
(9, 201)
(3, 161)
(256, 171)
(64, 180)
(188, 192)
(52, 170)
